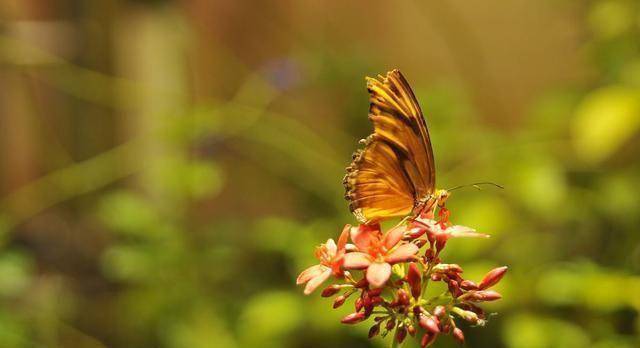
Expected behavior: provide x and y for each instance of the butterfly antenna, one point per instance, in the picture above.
(477, 186)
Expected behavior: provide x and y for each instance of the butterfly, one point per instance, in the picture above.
(394, 174)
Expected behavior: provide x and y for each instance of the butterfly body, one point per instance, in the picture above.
(394, 173)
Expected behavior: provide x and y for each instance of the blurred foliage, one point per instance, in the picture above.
(166, 177)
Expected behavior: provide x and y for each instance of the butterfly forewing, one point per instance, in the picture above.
(395, 169)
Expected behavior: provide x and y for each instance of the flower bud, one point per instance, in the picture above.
(492, 277)
(353, 318)
(361, 283)
(414, 278)
(458, 335)
(375, 292)
(403, 297)
(401, 333)
(448, 268)
(436, 277)
(339, 301)
(374, 330)
(359, 303)
(466, 315)
(330, 290)
(439, 311)
(441, 241)
(485, 295)
(454, 289)
(429, 324)
(411, 330)
(468, 285)
(427, 339)
(391, 323)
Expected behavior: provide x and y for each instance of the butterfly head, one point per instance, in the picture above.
(441, 197)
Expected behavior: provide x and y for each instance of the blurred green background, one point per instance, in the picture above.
(166, 167)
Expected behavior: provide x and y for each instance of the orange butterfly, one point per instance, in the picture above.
(394, 175)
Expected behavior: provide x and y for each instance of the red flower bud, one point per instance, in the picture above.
(427, 339)
(401, 333)
(481, 296)
(411, 329)
(330, 290)
(458, 335)
(359, 303)
(439, 311)
(429, 324)
(414, 278)
(441, 241)
(339, 301)
(353, 318)
(375, 292)
(374, 330)
(436, 277)
(492, 277)
(391, 323)
(403, 297)
(454, 289)
(468, 285)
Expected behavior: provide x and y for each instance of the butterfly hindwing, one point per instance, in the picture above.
(395, 169)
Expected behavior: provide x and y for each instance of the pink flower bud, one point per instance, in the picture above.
(429, 324)
(330, 290)
(359, 303)
(439, 311)
(414, 277)
(468, 285)
(401, 333)
(353, 318)
(339, 301)
(484, 295)
(458, 335)
(454, 289)
(492, 277)
(427, 339)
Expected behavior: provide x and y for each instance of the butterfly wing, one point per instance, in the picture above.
(396, 168)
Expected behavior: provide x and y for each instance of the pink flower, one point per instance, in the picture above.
(331, 256)
(377, 252)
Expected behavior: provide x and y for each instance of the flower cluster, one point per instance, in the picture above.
(388, 273)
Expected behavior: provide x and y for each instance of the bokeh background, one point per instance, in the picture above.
(166, 167)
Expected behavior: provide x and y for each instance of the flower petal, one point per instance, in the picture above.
(394, 236)
(309, 273)
(402, 253)
(364, 234)
(378, 273)
(317, 280)
(464, 231)
(356, 260)
(332, 248)
(344, 237)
